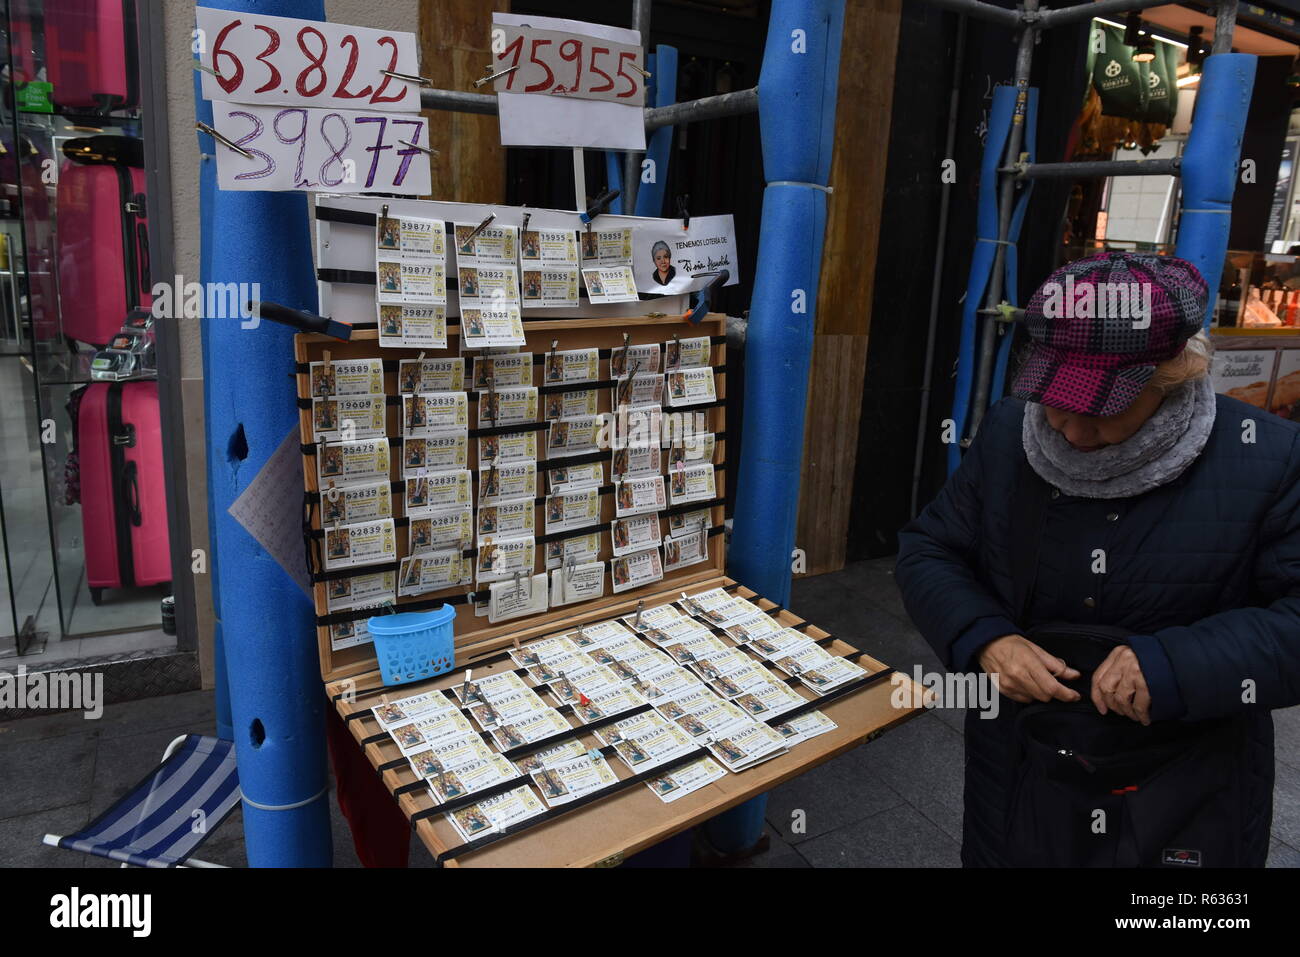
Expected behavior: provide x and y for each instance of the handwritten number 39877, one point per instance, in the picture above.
(333, 171)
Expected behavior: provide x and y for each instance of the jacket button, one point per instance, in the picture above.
(1056, 493)
(1090, 602)
(1112, 516)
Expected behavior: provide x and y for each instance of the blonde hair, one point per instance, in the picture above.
(1189, 365)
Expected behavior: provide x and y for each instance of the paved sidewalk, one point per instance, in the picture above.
(895, 802)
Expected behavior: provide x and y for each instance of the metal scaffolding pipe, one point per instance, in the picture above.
(981, 11)
(632, 158)
(1225, 24)
(1063, 16)
(705, 108)
(1152, 167)
(458, 102)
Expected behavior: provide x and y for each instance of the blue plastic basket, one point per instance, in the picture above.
(414, 644)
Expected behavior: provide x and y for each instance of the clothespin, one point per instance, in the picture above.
(555, 344)
(683, 213)
(383, 211)
(492, 471)
(221, 138)
(583, 699)
(645, 73)
(422, 149)
(516, 642)
(492, 393)
(625, 386)
(480, 227)
(325, 377)
(464, 686)
(489, 76)
(204, 68)
(594, 754)
(598, 206)
(518, 588)
(409, 77)
(527, 217)
(640, 607)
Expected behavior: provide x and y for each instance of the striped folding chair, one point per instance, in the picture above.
(164, 818)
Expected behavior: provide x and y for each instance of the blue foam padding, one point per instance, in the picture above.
(267, 623)
(1209, 164)
(650, 196)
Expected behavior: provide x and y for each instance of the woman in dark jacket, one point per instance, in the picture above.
(1117, 492)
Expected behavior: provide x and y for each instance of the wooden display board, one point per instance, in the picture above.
(626, 819)
(473, 634)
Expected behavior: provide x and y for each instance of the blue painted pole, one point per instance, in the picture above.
(207, 186)
(650, 196)
(796, 109)
(276, 698)
(1209, 166)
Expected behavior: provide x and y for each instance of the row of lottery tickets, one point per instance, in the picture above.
(444, 517)
(702, 692)
(499, 270)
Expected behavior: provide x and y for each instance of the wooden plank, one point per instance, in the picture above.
(862, 121)
(455, 38)
(612, 828)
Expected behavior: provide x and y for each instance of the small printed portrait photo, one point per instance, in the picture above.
(672, 355)
(557, 477)
(594, 286)
(471, 820)
(554, 367)
(337, 543)
(588, 713)
(532, 284)
(390, 277)
(426, 764)
(555, 509)
(326, 416)
(390, 320)
(408, 736)
(617, 363)
(389, 233)
(489, 405)
(619, 465)
(550, 784)
(468, 281)
(464, 245)
(340, 588)
(412, 576)
(558, 436)
(750, 703)
(727, 686)
(421, 532)
(487, 557)
(729, 750)
(555, 551)
(447, 786)
(677, 385)
(485, 371)
(679, 482)
(671, 710)
(530, 245)
(692, 725)
(509, 737)
(589, 245)
(415, 418)
(554, 406)
(472, 320)
(322, 380)
(664, 785)
(487, 520)
(388, 713)
(346, 629)
(417, 493)
(625, 497)
(631, 753)
(489, 447)
(491, 483)
(415, 453)
(664, 270)
(621, 537)
(621, 573)
(672, 552)
(410, 377)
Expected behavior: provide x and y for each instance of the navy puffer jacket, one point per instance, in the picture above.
(1204, 572)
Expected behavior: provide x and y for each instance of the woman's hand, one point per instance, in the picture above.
(1118, 685)
(1025, 672)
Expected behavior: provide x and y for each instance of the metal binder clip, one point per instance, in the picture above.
(683, 213)
(518, 587)
(483, 80)
(492, 471)
(383, 211)
(409, 77)
(464, 686)
(325, 373)
(492, 396)
(527, 217)
(221, 138)
(640, 606)
(625, 386)
(479, 228)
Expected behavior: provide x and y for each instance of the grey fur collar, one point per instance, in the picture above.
(1157, 453)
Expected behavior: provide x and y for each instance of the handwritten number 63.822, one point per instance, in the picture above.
(292, 126)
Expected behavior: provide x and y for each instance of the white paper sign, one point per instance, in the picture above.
(264, 59)
(557, 119)
(336, 151)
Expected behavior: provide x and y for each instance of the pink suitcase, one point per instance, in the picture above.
(123, 499)
(90, 54)
(103, 242)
